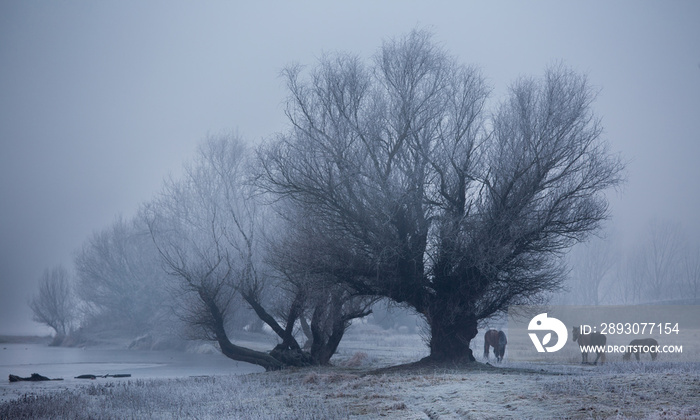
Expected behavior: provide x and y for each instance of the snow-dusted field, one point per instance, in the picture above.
(354, 388)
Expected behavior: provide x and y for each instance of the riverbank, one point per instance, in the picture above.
(616, 391)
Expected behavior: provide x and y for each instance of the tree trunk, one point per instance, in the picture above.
(284, 333)
(450, 337)
(58, 340)
(324, 344)
(333, 341)
(327, 329)
(318, 327)
(230, 350)
(243, 354)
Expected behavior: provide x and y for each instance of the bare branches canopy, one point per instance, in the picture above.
(421, 196)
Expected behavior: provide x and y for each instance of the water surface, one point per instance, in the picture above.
(69, 362)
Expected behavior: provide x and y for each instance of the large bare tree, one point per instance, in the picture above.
(421, 196)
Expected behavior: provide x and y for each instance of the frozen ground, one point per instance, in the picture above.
(355, 388)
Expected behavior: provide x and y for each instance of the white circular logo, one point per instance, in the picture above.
(542, 322)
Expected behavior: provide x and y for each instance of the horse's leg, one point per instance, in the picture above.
(636, 355)
(486, 349)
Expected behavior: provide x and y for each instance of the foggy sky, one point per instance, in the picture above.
(99, 101)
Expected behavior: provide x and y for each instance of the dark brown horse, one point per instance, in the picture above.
(497, 340)
(592, 339)
(640, 346)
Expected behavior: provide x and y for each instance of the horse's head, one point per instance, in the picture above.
(626, 356)
(575, 333)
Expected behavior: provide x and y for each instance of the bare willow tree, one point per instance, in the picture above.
(54, 304)
(421, 197)
(205, 226)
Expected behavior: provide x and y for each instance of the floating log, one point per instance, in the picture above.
(34, 378)
(118, 375)
(40, 378)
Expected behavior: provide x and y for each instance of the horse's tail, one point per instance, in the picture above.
(602, 357)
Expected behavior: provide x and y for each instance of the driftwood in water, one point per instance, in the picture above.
(34, 378)
(119, 375)
(39, 378)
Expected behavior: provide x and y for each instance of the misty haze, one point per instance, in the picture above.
(365, 210)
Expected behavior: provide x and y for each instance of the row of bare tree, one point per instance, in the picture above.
(662, 266)
(395, 180)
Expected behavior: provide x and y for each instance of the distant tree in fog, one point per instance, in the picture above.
(691, 273)
(592, 264)
(659, 257)
(120, 280)
(54, 304)
(419, 196)
(626, 286)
